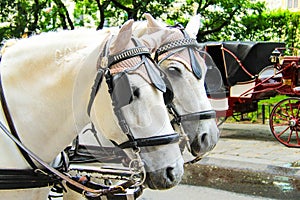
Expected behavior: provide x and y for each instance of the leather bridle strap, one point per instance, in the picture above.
(178, 118)
(11, 125)
(127, 54)
(151, 141)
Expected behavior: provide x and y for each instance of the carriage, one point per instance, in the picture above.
(254, 71)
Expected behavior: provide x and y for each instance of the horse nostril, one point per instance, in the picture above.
(203, 136)
(170, 174)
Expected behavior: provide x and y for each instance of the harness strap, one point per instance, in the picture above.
(95, 88)
(178, 118)
(12, 127)
(21, 179)
(115, 193)
(53, 171)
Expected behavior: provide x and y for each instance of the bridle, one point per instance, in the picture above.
(172, 48)
(107, 61)
(49, 176)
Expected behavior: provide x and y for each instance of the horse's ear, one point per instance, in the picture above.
(193, 26)
(123, 38)
(152, 25)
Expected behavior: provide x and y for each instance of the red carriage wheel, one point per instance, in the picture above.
(285, 122)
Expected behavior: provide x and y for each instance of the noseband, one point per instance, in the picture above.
(104, 71)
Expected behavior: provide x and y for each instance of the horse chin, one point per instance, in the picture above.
(165, 178)
(202, 144)
(205, 140)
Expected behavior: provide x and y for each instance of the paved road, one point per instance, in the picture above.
(188, 192)
(247, 159)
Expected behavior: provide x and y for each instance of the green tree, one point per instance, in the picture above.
(222, 19)
(218, 16)
(276, 25)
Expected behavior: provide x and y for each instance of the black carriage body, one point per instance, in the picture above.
(249, 63)
(240, 63)
(254, 56)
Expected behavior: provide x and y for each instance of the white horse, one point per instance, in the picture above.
(47, 81)
(190, 105)
(179, 58)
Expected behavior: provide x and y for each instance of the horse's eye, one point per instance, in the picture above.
(136, 92)
(174, 70)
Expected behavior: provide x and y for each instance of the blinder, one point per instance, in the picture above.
(122, 93)
(213, 80)
(213, 77)
(168, 95)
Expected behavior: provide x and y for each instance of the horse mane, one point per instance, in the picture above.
(7, 44)
(78, 38)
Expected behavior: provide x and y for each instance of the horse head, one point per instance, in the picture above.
(179, 58)
(136, 105)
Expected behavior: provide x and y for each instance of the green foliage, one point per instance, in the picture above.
(221, 19)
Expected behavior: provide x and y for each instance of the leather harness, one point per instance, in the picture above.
(48, 176)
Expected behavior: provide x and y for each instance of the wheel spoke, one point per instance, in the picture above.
(297, 137)
(284, 120)
(290, 136)
(283, 112)
(282, 132)
(291, 106)
(298, 110)
(280, 116)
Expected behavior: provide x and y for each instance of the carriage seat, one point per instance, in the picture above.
(268, 72)
(296, 89)
(242, 89)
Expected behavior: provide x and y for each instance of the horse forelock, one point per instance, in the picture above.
(182, 56)
(130, 63)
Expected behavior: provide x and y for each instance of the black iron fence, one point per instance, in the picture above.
(261, 115)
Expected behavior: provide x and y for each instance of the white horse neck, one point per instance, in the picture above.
(46, 100)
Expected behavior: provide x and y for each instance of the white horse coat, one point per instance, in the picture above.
(47, 82)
